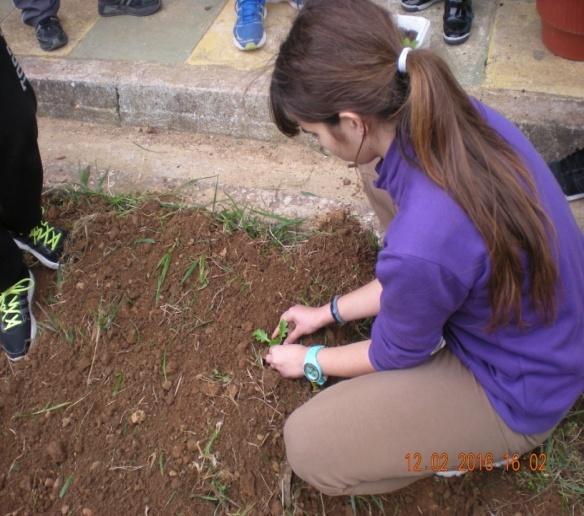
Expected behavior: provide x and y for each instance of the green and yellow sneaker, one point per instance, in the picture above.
(17, 323)
(44, 242)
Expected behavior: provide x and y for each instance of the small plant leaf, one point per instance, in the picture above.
(262, 336)
(282, 330)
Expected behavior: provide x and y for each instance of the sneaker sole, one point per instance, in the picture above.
(250, 46)
(291, 2)
(114, 10)
(33, 324)
(37, 255)
(455, 40)
(450, 474)
(417, 8)
(49, 48)
(574, 197)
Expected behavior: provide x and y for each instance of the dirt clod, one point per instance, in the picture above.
(166, 385)
(57, 452)
(137, 417)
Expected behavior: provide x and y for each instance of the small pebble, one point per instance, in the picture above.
(138, 417)
(166, 385)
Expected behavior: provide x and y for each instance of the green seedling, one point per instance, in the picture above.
(203, 277)
(262, 336)
(218, 376)
(118, 383)
(163, 266)
(66, 486)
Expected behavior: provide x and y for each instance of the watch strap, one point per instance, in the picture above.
(311, 359)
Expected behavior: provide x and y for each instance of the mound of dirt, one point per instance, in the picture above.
(145, 390)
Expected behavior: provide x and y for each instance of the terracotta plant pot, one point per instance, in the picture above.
(562, 27)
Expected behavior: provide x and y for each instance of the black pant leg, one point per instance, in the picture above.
(11, 260)
(21, 171)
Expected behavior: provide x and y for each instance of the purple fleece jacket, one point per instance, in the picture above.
(434, 268)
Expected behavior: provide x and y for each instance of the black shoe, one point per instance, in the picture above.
(45, 242)
(457, 21)
(50, 34)
(132, 7)
(17, 323)
(417, 5)
(569, 172)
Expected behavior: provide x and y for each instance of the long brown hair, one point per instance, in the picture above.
(341, 55)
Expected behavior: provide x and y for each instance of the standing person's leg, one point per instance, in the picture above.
(42, 15)
(380, 200)
(33, 11)
(21, 176)
(355, 437)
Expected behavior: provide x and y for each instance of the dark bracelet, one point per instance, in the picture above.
(335, 311)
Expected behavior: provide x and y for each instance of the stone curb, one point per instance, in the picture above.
(225, 101)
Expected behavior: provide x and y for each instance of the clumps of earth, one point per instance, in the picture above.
(146, 391)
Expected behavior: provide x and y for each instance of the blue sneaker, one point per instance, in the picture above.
(248, 33)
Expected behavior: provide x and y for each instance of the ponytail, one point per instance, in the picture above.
(461, 153)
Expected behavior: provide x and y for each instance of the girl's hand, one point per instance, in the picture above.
(287, 360)
(306, 320)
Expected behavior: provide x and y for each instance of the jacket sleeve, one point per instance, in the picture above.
(417, 299)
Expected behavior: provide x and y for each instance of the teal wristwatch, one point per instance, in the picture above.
(312, 369)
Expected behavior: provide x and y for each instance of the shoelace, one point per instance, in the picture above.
(46, 234)
(10, 303)
(249, 10)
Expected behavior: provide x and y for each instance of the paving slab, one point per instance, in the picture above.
(77, 18)
(167, 36)
(217, 48)
(518, 59)
(6, 7)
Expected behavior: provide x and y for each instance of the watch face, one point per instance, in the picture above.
(311, 372)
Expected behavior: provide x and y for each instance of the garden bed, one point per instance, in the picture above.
(146, 393)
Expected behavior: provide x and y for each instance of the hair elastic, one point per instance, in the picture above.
(402, 60)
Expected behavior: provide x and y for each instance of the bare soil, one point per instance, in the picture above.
(146, 394)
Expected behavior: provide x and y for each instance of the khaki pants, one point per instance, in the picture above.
(354, 437)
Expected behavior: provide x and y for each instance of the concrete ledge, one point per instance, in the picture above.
(230, 102)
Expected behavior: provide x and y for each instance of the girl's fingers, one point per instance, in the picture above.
(293, 335)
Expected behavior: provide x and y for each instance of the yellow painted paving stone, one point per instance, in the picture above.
(518, 59)
(217, 48)
(77, 18)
